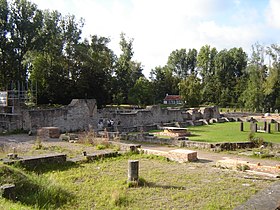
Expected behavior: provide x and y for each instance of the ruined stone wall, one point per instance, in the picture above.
(82, 113)
(157, 115)
(151, 115)
(78, 115)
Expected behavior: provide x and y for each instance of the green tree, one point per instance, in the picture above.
(182, 63)
(49, 66)
(141, 93)
(272, 84)
(206, 69)
(229, 69)
(5, 49)
(163, 82)
(26, 22)
(127, 71)
(190, 91)
(96, 63)
(253, 96)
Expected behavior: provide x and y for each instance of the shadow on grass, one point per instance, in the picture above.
(154, 185)
(203, 161)
(194, 134)
(33, 190)
(47, 167)
(197, 130)
(203, 140)
(143, 183)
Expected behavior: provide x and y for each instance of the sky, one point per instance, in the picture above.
(159, 27)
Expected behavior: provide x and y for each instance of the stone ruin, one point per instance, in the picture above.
(82, 114)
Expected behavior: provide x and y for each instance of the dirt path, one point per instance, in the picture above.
(24, 142)
(212, 157)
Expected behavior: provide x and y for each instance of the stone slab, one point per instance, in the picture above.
(267, 199)
(178, 155)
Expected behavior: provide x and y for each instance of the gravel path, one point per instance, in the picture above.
(23, 142)
(212, 157)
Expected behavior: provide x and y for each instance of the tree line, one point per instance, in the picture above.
(46, 48)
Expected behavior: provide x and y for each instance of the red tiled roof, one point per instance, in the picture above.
(172, 98)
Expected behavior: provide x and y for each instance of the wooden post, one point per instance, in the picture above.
(254, 127)
(277, 127)
(265, 125)
(241, 126)
(133, 170)
(268, 128)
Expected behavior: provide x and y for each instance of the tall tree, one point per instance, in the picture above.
(164, 82)
(182, 63)
(50, 65)
(26, 22)
(206, 69)
(127, 71)
(272, 84)
(253, 96)
(141, 93)
(190, 91)
(229, 69)
(5, 49)
(96, 69)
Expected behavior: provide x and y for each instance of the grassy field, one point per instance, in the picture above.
(229, 132)
(102, 185)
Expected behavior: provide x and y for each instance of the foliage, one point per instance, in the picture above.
(190, 91)
(127, 71)
(45, 48)
(141, 93)
(257, 141)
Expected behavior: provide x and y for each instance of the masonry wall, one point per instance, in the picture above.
(81, 114)
(157, 115)
(78, 115)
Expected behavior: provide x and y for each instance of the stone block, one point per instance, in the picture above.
(49, 132)
(182, 155)
(178, 155)
(231, 164)
(7, 191)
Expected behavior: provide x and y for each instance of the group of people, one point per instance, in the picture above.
(109, 124)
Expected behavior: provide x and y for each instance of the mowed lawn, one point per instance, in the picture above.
(230, 132)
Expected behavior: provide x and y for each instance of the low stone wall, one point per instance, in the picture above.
(100, 154)
(147, 139)
(199, 145)
(32, 162)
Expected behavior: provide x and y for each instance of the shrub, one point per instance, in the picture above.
(257, 141)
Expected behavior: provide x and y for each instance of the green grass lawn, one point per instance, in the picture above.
(229, 132)
(102, 185)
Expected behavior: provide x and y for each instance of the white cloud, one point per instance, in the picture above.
(228, 36)
(160, 26)
(273, 13)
